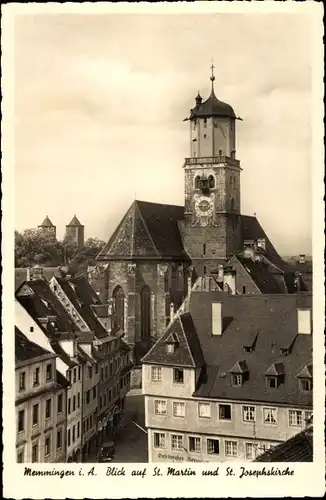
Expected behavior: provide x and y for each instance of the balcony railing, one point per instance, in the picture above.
(212, 159)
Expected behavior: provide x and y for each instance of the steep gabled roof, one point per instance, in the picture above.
(74, 222)
(299, 448)
(46, 222)
(27, 350)
(261, 275)
(188, 352)
(147, 231)
(252, 230)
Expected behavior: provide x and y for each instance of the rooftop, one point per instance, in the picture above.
(27, 350)
(46, 222)
(299, 448)
(258, 331)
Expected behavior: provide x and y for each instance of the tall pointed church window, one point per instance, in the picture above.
(145, 312)
(119, 306)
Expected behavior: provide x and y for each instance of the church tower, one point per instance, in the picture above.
(211, 231)
(47, 227)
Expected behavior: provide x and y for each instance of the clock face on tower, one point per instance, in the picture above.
(204, 206)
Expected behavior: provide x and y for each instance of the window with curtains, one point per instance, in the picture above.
(119, 306)
(145, 312)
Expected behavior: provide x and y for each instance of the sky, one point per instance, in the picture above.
(100, 102)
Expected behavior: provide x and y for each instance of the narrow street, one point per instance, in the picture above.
(131, 442)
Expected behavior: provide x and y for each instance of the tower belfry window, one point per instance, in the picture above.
(205, 122)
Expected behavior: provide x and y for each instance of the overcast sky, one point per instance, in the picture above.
(100, 101)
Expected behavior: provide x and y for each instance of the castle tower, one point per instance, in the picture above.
(211, 231)
(47, 227)
(75, 232)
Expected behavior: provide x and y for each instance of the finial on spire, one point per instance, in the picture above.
(212, 78)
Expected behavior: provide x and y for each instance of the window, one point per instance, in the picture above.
(305, 384)
(205, 270)
(35, 415)
(307, 416)
(160, 407)
(159, 440)
(20, 457)
(145, 312)
(295, 418)
(31, 329)
(205, 135)
(69, 376)
(48, 404)
(177, 442)
(248, 413)
(231, 448)
(101, 402)
(270, 416)
(110, 396)
(78, 429)
(251, 451)
(94, 392)
(224, 412)
(178, 376)
(106, 371)
(237, 380)
(22, 386)
(244, 290)
(119, 306)
(271, 382)
(213, 446)
(156, 374)
(104, 398)
(88, 397)
(211, 182)
(35, 453)
(74, 375)
(96, 368)
(60, 403)
(49, 372)
(90, 372)
(179, 409)
(204, 249)
(59, 439)
(78, 400)
(205, 122)
(197, 182)
(69, 406)
(36, 376)
(204, 410)
(74, 403)
(21, 420)
(194, 444)
(102, 374)
(47, 448)
(79, 372)
(74, 434)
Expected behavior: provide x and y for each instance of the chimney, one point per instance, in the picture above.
(171, 311)
(304, 321)
(229, 279)
(249, 249)
(261, 243)
(216, 318)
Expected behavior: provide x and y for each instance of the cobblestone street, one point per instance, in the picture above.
(131, 442)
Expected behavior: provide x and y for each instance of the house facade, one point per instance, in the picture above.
(41, 399)
(230, 378)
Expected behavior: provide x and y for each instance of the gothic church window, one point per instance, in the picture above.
(211, 182)
(145, 312)
(119, 302)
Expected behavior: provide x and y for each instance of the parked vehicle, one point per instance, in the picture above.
(107, 452)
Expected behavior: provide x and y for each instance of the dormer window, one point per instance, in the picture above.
(271, 382)
(237, 380)
(261, 243)
(305, 384)
(305, 378)
(172, 343)
(239, 373)
(274, 375)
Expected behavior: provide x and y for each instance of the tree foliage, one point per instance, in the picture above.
(34, 247)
